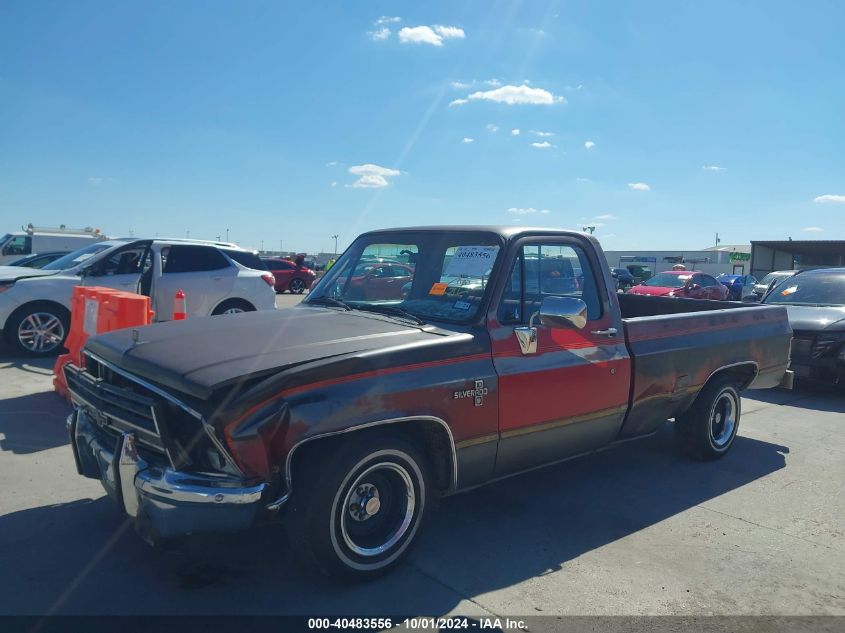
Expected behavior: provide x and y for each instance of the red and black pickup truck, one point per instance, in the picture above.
(506, 350)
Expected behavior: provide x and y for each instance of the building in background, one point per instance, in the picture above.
(732, 259)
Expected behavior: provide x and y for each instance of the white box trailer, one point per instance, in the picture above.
(38, 239)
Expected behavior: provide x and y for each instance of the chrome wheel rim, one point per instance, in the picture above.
(723, 419)
(233, 311)
(297, 286)
(41, 332)
(378, 509)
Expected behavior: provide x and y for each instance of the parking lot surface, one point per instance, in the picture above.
(634, 530)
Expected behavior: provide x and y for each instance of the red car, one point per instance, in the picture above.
(683, 283)
(379, 281)
(290, 275)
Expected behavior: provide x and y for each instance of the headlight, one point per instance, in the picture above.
(828, 344)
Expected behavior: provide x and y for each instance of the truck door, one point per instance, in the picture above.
(121, 269)
(570, 394)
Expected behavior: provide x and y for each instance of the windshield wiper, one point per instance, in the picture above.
(390, 310)
(330, 301)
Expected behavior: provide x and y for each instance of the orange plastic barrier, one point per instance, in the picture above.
(94, 310)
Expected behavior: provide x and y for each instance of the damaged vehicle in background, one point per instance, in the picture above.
(815, 302)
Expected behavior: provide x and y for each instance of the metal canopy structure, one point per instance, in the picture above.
(767, 256)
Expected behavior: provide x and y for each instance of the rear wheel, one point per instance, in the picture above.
(708, 429)
(38, 329)
(296, 286)
(233, 306)
(355, 513)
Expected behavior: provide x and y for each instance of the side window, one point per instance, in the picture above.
(707, 280)
(398, 271)
(18, 245)
(192, 259)
(542, 270)
(124, 262)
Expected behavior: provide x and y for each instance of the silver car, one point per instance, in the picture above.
(35, 304)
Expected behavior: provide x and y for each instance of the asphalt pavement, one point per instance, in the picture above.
(634, 530)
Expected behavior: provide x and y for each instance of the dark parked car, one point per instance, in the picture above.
(39, 260)
(772, 278)
(815, 301)
(738, 286)
(624, 277)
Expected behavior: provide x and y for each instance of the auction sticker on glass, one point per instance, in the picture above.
(471, 261)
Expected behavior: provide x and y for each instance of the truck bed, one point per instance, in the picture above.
(676, 345)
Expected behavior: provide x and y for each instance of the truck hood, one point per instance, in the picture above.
(13, 273)
(197, 356)
(816, 319)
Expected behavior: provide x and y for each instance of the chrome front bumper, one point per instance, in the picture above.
(164, 503)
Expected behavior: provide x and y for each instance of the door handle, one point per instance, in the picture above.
(609, 332)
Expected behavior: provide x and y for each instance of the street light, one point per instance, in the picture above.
(589, 229)
(227, 235)
(335, 243)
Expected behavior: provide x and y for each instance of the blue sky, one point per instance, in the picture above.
(295, 121)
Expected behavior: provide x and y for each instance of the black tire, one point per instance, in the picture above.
(378, 479)
(708, 429)
(233, 306)
(296, 286)
(51, 319)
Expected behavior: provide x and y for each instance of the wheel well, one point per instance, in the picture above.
(29, 306)
(229, 303)
(743, 375)
(429, 437)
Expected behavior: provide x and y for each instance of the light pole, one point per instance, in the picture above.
(335, 244)
(188, 233)
(262, 246)
(227, 235)
(589, 229)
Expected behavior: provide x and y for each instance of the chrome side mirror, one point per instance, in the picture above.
(562, 312)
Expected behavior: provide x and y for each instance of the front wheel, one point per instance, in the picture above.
(296, 286)
(356, 512)
(38, 329)
(708, 429)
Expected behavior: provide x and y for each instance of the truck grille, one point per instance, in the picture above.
(115, 409)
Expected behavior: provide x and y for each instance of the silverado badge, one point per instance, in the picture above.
(478, 393)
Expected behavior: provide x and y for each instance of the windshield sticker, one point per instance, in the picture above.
(462, 305)
(471, 261)
(438, 289)
(83, 257)
(789, 291)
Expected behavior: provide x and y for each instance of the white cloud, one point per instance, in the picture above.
(334, 183)
(492, 127)
(386, 19)
(433, 35)
(543, 145)
(713, 168)
(95, 180)
(589, 145)
(527, 211)
(607, 235)
(829, 197)
(459, 84)
(581, 179)
(542, 134)
(606, 216)
(458, 102)
(638, 186)
(379, 34)
(515, 131)
(513, 95)
(371, 176)
(331, 163)
(813, 229)
(468, 140)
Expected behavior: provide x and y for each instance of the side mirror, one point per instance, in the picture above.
(562, 312)
(751, 298)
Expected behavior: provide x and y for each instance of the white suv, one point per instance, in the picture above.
(217, 278)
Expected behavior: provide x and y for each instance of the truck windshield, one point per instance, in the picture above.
(816, 289)
(439, 275)
(77, 257)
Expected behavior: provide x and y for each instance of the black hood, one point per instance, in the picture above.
(199, 355)
(816, 318)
